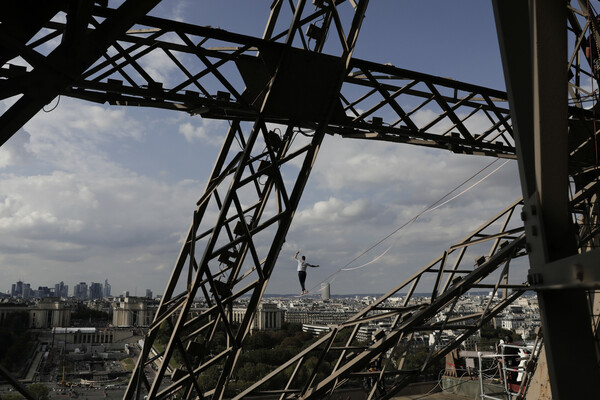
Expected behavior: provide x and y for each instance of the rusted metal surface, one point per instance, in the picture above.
(539, 387)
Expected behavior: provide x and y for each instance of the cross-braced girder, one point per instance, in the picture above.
(496, 244)
(224, 75)
(250, 220)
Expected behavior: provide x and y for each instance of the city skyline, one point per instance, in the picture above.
(92, 291)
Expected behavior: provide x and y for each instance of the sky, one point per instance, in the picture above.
(92, 192)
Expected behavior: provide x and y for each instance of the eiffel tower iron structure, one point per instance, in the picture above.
(302, 78)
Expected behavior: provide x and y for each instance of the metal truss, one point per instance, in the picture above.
(342, 358)
(584, 71)
(246, 211)
(238, 229)
(59, 67)
(282, 93)
(225, 75)
(583, 53)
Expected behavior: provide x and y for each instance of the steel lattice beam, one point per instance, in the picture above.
(501, 240)
(118, 78)
(219, 271)
(58, 70)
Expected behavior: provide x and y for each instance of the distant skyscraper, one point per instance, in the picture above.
(27, 292)
(106, 288)
(18, 289)
(95, 291)
(61, 290)
(81, 290)
(149, 293)
(42, 292)
(325, 291)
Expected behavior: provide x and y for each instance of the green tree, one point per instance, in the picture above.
(278, 336)
(6, 341)
(208, 378)
(39, 390)
(291, 327)
(291, 342)
(164, 333)
(17, 322)
(252, 372)
(14, 356)
(342, 337)
(415, 356)
(259, 340)
(83, 312)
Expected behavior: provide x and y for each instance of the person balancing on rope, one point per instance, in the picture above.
(302, 264)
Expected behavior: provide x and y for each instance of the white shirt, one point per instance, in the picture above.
(302, 265)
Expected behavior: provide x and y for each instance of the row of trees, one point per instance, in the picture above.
(85, 313)
(266, 351)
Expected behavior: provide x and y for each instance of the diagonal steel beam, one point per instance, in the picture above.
(412, 317)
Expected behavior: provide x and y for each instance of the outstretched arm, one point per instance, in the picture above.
(296, 256)
(314, 266)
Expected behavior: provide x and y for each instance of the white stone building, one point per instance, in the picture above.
(134, 311)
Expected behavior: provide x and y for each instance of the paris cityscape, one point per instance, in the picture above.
(86, 341)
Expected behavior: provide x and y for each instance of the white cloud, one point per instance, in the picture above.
(209, 132)
(72, 119)
(15, 151)
(158, 65)
(397, 170)
(72, 212)
(93, 211)
(334, 210)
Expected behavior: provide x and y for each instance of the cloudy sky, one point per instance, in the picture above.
(92, 192)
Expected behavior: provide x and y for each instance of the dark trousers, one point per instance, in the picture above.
(302, 277)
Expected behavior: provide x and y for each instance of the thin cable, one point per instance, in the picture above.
(381, 255)
(422, 212)
(431, 207)
(306, 134)
(370, 262)
(467, 189)
(428, 210)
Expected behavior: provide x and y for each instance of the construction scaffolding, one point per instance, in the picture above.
(515, 365)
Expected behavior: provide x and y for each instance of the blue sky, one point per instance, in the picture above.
(93, 192)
